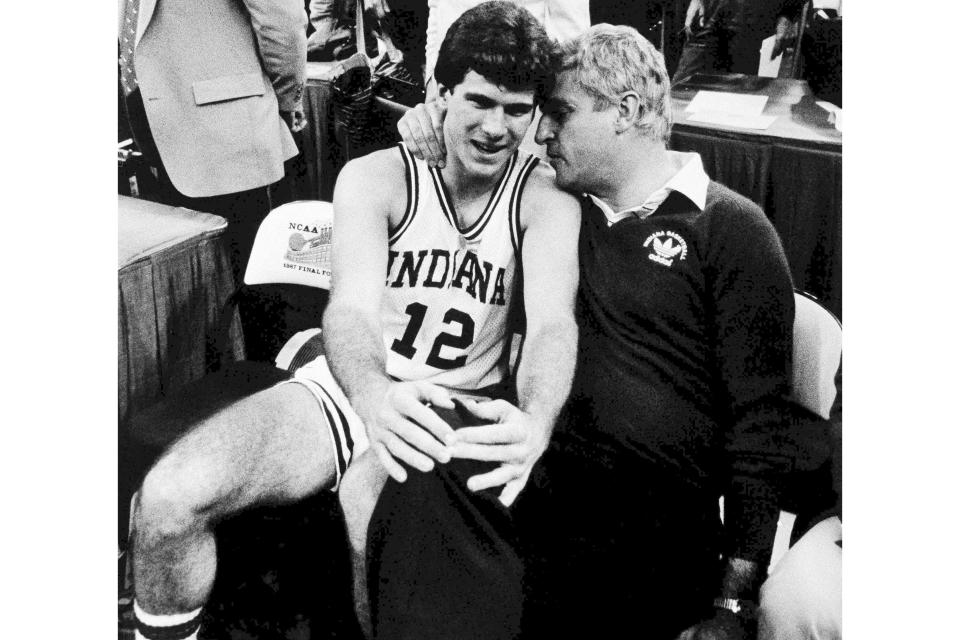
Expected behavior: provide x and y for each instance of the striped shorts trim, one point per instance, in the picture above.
(347, 433)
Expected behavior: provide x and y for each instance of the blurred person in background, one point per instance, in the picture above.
(212, 93)
(724, 36)
(334, 25)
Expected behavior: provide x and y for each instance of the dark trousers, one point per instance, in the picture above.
(443, 562)
(614, 550)
(591, 549)
(243, 211)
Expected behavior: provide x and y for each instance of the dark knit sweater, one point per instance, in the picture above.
(684, 355)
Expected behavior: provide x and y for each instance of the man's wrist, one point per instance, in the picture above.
(741, 579)
(293, 102)
(368, 399)
(741, 607)
(542, 421)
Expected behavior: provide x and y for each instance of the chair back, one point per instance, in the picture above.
(287, 279)
(817, 346)
(293, 246)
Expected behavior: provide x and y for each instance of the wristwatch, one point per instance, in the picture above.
(745, 608)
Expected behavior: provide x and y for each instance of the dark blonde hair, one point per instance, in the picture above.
(610, 60)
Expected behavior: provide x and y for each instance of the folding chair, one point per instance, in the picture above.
(817, 348)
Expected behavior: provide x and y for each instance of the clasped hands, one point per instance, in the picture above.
(402, 426)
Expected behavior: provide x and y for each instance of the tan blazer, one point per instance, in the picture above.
(214, 76)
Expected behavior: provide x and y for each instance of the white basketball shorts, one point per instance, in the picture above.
(347, 432)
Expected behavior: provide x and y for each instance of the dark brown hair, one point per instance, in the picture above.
(504, 43)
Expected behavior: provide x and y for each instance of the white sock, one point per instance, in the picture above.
(174, 626)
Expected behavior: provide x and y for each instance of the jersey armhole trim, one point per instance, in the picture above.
(516, 233)
(413, 195)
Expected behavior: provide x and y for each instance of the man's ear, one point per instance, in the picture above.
(629, 111)
(443, 93)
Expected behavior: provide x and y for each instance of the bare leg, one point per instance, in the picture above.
(270, 448)
(359, 489)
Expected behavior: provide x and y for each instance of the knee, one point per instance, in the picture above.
(168, 504)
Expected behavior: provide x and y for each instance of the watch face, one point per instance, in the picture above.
(745, 608)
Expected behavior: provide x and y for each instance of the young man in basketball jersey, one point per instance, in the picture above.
(426, 273)
(455, 245)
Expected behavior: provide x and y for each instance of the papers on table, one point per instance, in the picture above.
(722, 101)
(729, 110)
(732, 120)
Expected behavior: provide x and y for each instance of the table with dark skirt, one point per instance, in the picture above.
(792, 170)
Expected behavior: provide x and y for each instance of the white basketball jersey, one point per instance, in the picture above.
(449, 291)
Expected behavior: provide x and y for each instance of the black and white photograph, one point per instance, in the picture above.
(493, 320)
(599, 388)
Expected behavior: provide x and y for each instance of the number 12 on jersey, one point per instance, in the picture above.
(456, 340)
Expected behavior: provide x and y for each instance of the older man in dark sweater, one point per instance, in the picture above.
(685, 313)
